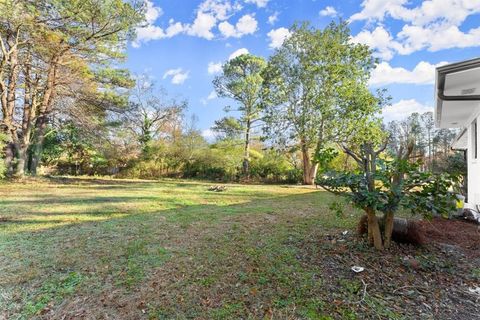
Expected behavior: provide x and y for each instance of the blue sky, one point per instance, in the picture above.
(184, 43)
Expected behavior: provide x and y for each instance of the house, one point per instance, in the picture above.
(457, 105)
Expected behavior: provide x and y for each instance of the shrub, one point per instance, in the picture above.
(385, 186)
(272, 166)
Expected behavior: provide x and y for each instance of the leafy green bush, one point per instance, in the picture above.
(273, 166)
(192, 157)
(385, 186)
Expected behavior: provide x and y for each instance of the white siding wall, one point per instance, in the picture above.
(473, 165)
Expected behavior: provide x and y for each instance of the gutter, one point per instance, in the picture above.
(442, 73)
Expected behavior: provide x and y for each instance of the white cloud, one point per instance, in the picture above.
(259, 3)
(178, 76)
(208, 14)
(227, 29)
(435, 38)
(147, 33)
(212, 95)
(245, 25)
(452, 12)
(433, 25)
(220, 9)
(174, 28)
(379, 40)
(329, 11)
(237, 53)
(415, 38)
(377, 9)
(273, 18)
(214, 67)
(150, 31)
(152, 12)
(277, 37)
(403, 108)
(208, 134)
(202, 26)
(423, 73)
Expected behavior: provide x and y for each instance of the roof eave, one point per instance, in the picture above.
(441, 74)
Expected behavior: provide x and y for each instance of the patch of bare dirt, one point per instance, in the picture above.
(458, 233)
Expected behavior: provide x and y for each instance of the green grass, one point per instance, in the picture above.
(167, 249)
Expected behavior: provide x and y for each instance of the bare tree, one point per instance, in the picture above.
(150, 112)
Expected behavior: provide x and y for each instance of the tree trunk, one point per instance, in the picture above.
(35, 159)
(313, 172)
(21, 161)
(10, 158)
(374, 229)
(306, 172)
(8, 88)
(44, 110)
(388, 217)
(246, 153)
(38, 146)
(309, 168)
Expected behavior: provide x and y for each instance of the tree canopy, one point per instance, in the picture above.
(316, 90)
(56, 53)
(242, 81)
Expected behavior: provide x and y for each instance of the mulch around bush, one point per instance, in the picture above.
(458, 233)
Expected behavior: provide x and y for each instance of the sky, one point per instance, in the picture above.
(184, 43)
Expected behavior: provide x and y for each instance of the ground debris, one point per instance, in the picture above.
(218, 188)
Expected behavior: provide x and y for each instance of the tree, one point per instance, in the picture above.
(54, 51)
(386, 185)
(229, 128)
(433, 145)
(385, 182)
(149, 112)
(311, 84)
(242, 81)
(443, 139)
(407, 132)
(429, 125)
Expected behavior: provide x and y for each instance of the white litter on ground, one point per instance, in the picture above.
(357, 269)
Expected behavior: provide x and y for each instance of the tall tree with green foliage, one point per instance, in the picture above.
(53, 52)
(228, 128)
(311, 84)
(242, 81)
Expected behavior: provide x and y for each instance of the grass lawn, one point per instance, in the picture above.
(120, 249)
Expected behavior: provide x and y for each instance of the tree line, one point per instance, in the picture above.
(58, 60)
(66, 105)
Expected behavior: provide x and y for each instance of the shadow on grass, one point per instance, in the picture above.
(9, 220)
(73, 200)
(182, 215)
(120, 183)
(87, 181)
(124, 249)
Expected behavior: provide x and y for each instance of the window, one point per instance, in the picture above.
(475, 139)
